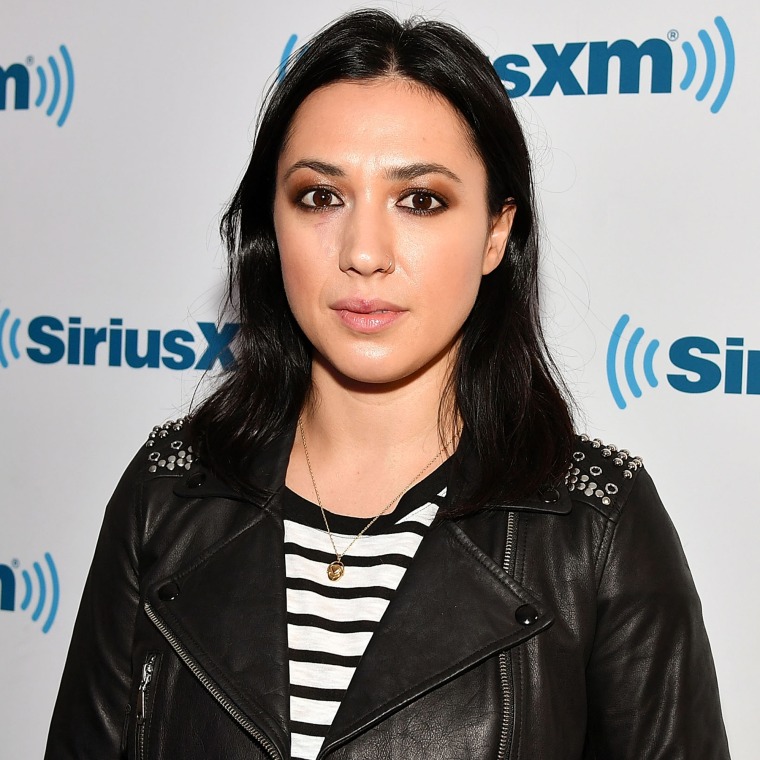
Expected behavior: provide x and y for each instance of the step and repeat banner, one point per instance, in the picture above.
(124, 129)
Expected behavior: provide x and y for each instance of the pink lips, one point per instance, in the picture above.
(367, 316)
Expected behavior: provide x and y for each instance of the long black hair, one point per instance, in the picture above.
(504, 386)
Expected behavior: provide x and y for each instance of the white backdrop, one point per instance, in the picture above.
(648, 202)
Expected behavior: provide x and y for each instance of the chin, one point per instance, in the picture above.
(375, 376)
(382, 371)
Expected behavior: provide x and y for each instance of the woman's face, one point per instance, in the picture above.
(383, 228)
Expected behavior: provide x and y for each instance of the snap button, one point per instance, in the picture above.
(548, 494)
(196, 480)
(169, 591)
(526, 614)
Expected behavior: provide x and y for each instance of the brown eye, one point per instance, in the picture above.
(320, 198)
(421, 202)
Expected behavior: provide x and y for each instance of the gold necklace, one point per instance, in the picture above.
(336, 568)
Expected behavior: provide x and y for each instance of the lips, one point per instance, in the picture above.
(367, 315)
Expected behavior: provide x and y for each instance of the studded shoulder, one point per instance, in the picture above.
(167, 449)
(600, 470)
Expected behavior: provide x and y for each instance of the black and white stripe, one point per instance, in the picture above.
(330, 622)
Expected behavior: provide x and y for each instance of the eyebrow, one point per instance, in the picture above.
(412, 171)
(321, 167)
(403, 173)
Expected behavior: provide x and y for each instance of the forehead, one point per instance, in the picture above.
(387, 119)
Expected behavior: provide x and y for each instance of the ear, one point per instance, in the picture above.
(498, 236)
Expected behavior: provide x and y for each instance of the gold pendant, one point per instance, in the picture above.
(335, 570)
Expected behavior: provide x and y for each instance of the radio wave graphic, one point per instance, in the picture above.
(628, 361)
(61, 90)
(285, 57)
(711, 65)
(40, 589)
(12, 341)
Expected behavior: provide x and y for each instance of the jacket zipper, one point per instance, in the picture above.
(142, 695)
(210, 686)
(505, 661)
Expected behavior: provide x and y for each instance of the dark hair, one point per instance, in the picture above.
(504, 386)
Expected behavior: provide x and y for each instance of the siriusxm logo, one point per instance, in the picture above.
(55, 85)
(562, 70)
(40, 591)
(51, 340)
(585, 68)
(699, 364)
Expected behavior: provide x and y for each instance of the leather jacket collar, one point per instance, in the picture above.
(224, 611)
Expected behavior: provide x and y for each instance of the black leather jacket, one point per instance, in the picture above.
(564, 628)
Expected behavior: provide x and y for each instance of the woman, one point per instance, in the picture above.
(379, 537)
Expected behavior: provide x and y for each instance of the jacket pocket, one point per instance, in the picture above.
(144, 705)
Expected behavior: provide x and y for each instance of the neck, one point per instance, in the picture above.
(346, 415)
(366, 442)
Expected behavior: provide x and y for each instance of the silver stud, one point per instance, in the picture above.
(599, 493)
(595, 470)
(606, 453)
(611, 488)
(162, 463)
(152, 468)
(176, 444)
(617, 462)
(627, 474)
(592, 485)
(584, 478)
(606, 501)
(154, 456)
(578, 456)
(584, 437)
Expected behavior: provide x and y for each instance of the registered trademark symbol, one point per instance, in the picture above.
(14, 562)
(673, 35)
(30, 60)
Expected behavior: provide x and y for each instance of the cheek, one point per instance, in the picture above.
(297, 260)
(449, 268)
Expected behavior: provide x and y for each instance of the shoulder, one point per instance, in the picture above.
(168, 449)
(601, 475)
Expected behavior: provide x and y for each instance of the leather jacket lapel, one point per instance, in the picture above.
(227, 613)
(454, 607)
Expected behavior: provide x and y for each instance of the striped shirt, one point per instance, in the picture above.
(330, 622)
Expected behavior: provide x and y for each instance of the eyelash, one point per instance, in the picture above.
(443, 205)
(318, 209)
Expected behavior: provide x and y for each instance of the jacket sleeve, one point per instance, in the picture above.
(652, 689)
(90, 710)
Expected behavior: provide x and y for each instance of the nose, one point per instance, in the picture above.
(367, 244)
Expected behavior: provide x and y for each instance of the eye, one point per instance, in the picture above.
(319, 198)
(422, 202)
